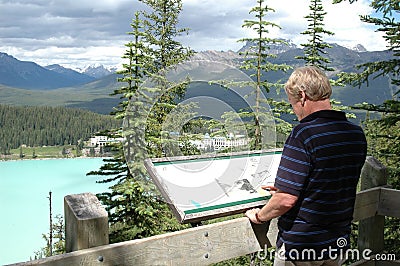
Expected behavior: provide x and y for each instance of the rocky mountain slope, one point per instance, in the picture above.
(27, 83)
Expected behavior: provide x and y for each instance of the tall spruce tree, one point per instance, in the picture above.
(129, 212)
(133, 207)
(258, 62)
(166, 52)
(314, 49)
(315, 53)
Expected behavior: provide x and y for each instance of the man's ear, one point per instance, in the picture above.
(302, 97)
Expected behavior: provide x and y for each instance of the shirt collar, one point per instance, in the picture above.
(330, 114)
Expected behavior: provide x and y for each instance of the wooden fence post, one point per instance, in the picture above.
(370, 230)
(86, 222)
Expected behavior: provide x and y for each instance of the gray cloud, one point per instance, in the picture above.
(76, 33)
(62, 18)
(28, 29)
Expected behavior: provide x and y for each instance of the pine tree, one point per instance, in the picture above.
(64, 151)
(315, 53)
(21, 153)
(133, 203)
(389, 24)
(314, 50)
(121, 207)
(58, 235)
(258, 60)
(166, 52)
(48, 126)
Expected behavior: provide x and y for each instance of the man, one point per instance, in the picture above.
(316, 182)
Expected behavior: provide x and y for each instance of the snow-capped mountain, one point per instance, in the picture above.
(357, 48)
(29, 75)
(70, 73)
(97, 70)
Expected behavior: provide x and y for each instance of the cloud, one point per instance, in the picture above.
(82, 32)
(218, 25)
(214, 25)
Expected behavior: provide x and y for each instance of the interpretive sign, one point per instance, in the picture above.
(207, 186)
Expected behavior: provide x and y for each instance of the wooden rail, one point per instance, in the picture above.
(207, 244)
(377, 201)
(195, 246)
(217, 242)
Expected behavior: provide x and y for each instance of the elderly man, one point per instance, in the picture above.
(316, 182)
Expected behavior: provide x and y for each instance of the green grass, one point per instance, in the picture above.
(41, 152)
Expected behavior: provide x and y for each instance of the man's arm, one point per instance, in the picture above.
(279, 204)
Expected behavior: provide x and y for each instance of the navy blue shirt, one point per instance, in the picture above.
(321, 164)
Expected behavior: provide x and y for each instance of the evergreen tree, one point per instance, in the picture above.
(389, 25)
(390, 109)
(92, 152)
(64, 152)
(162, 28)
(257, 60)
(314, 50)
(166, 52)
(48, 126)
(58, 236)
(21, 152)
(130, 212)
(132, 204)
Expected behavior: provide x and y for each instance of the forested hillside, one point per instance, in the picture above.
(48, 126)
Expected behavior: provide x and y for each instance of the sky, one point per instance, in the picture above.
(78, 33)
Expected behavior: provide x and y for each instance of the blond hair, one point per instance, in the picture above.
(312, 81)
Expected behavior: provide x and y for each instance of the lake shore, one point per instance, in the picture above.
(49, 152)
(54, 158)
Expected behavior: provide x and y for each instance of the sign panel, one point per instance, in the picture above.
(208, 186)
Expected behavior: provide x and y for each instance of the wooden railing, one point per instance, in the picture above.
(87, 232)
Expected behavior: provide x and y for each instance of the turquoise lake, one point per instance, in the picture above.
(24, 202)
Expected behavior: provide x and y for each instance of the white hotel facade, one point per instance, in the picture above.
(207, 143)
(101, 141)
(220, 143)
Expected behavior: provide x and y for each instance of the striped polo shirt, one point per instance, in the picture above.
(321, 164)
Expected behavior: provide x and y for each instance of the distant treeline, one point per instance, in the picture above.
(48, 126)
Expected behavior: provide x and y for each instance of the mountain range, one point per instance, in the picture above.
(27, 83)
(29, 75)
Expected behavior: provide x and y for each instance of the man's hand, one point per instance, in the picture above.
(251, 214)
(278, 204)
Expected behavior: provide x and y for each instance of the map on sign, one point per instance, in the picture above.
(203, 187)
